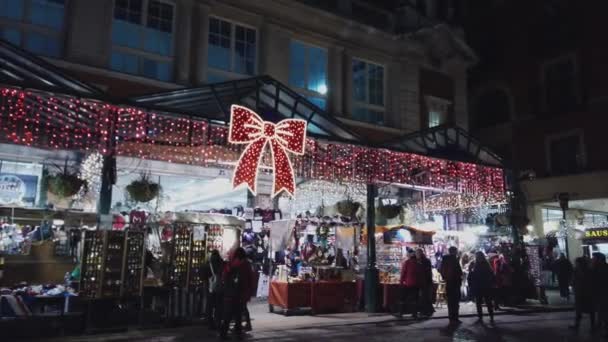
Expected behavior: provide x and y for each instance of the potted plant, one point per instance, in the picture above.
(348, 208)
(143, 190)
(65, 183)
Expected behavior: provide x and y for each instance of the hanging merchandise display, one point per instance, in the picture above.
(246, 127)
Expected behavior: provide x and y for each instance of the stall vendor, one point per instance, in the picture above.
(309, 249)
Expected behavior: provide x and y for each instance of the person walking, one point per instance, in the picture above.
(583, 292)
(409, 285)
(237, 286)
(452, 275)
(600, 284)
(563, 268)
(504, 280)
(424, 278)
(214, 297)
(482, 283)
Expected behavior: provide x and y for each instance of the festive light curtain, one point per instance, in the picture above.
(60, 122)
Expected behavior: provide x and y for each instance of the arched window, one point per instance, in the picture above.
(493, 107)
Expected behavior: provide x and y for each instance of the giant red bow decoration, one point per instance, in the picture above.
(246, 127)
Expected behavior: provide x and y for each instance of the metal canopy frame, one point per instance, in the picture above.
(271, 99)
(447, 142)
(22, 69)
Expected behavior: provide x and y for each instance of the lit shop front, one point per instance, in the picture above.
(595, 240)
(276, 175)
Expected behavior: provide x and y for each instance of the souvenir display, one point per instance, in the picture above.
(133, 272)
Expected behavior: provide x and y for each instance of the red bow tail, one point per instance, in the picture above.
(283, 171)
(246, 170)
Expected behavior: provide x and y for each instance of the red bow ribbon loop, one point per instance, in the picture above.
(246, 127)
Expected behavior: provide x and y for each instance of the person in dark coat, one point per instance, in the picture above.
(563, 269)
(583, 292)
(425, 283)
(600, 284)
(452, 275)
(237, 288)
(214, 297)
(482, 284)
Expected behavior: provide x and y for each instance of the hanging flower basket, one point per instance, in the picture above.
(143, 190)
(348, 208)
(64, 185)
(389, 211)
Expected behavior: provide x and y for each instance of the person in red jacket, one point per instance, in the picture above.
(410, 284)
(238, 287)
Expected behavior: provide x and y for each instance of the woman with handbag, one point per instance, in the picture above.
(214, 297)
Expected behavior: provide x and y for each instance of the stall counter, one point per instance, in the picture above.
(319, 297)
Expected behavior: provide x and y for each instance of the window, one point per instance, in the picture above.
(232, 50)
(565, 154)
(35, 25)
(560, 85)
(142, 38)
(308, 72)
(368, 92)
(438, 111)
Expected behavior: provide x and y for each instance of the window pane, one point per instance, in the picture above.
(565, 155)
(368, 115)
(46, 13)
(317, 70)
(158, 42)
(213, 77)
(125, 33)
(297, 64)
(11, 35)
(129, 10)
(157, 69)
(376, 84)
(244, 51)
(42, 45)
(359, 81)
(219, 44)
(12, 9)
(160, 16)
(124, 62)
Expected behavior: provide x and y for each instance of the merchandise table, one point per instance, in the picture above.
(289, 296)
(319, 297)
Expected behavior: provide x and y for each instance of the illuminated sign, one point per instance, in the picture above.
(596, 234)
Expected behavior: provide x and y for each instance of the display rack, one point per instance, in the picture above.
(180, 255)
(389, 258)
(112, 264)
(134, 264)
(198, 255)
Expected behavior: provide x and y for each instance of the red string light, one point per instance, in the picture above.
(61, 122)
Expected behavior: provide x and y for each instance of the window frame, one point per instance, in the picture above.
(366, 105)
(433, 102)
(576, 82)
(549, 139)
(26, 28)
(231, 74)
(139, 53)
(306, 92)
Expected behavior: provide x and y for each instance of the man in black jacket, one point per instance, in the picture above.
(452, 275)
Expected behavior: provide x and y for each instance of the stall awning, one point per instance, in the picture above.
(270, 98)
(22, 69)
(447, 142)
(203, 218)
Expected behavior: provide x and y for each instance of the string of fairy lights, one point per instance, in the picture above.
(61, 122)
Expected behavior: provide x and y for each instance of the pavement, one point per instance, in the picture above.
(382, 327)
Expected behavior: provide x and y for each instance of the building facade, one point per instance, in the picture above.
(384, 70)
(539, 99)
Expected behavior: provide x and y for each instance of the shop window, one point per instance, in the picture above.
(19, 183)
(565, 154)
(232, 48)
(308, 72)
(142, 38)
(35, 25)
(368, 92)
(438, 111)
(560, 85)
